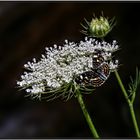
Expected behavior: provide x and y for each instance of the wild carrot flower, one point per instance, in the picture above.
(62, 68)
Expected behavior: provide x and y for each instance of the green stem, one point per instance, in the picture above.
(130, 103)
(134, 120)
(122, 87)
(86, 114)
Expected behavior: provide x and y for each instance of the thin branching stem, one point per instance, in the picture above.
(86, 114)
(122, 87)
(130, 103)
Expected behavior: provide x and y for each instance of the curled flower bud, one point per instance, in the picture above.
(98, 27)
(62, 68)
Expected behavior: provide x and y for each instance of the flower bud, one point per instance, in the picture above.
(98, 27)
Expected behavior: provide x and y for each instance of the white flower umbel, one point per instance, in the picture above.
(60, 64)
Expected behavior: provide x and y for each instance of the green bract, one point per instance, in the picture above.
(98, 27)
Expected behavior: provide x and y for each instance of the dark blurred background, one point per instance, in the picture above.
(26, 28)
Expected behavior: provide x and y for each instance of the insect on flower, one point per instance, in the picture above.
(97, 60)
(98, 74)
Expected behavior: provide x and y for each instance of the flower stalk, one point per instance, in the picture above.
(130, 103)
(86, 114)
